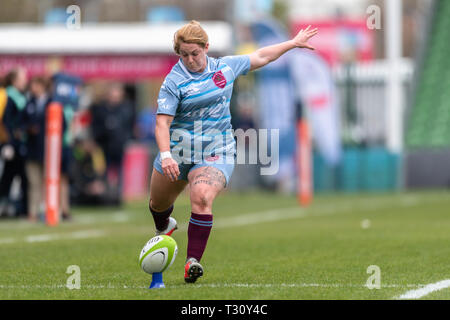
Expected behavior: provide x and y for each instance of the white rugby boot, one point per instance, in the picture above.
(171, 227)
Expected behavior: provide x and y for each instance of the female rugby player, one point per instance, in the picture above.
(193, 132)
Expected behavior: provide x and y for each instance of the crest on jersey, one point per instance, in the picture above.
(212, 158)
(219, 79)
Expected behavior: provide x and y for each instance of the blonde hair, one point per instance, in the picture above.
(190, 33)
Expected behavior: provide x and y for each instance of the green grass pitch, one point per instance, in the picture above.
(262, 246)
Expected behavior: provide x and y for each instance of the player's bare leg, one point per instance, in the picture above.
(205, 183)
(163, 194)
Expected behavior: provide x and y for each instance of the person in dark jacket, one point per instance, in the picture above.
(35, 117)
(112, 127)
(13, 150)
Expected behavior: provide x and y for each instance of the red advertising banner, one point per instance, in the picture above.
(340, 40)
(136, 172)
(117, 67)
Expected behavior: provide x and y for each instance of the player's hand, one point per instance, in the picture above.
(170, 169)
(302, 37)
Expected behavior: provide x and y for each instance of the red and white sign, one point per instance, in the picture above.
(316, 89)
(340, 40)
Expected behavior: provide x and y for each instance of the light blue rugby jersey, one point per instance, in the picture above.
(194, 97)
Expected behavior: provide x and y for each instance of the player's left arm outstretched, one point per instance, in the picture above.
(265, 55)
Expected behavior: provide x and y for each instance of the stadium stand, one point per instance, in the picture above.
(427, 136)
(429, 121)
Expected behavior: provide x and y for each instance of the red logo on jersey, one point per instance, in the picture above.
(212, 158)
(219, 79)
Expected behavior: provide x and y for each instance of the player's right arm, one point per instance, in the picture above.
(265, 55)
(162, 136)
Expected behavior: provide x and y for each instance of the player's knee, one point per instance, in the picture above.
(202, 199)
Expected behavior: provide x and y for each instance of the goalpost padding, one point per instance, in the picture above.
(53, 149)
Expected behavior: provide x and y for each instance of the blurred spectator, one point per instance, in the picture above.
(245, 118)
(13, 148)
(35, 112)
(145, 126)
(112, 127)
(89, 173)
(3, 101)
(145, 129)
(66, 160)
(65, 90)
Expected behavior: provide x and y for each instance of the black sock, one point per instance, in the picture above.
(161, 218)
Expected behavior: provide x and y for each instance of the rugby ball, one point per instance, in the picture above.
(158, 254)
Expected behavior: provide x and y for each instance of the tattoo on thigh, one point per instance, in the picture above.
(203, 181)
(211, 176)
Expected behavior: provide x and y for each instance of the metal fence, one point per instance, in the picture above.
(362, 91)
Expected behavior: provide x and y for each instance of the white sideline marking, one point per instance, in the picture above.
(252, 218)
(118, 217)
(247, 219)
(260, 217)
(429, 288)
(82, 234)
(215, 285)
(255, 218)
(7, 240)
(41, 237)
(243, 220)
(368, 204)
(281, 214)
(293, 285)
(84, 218)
